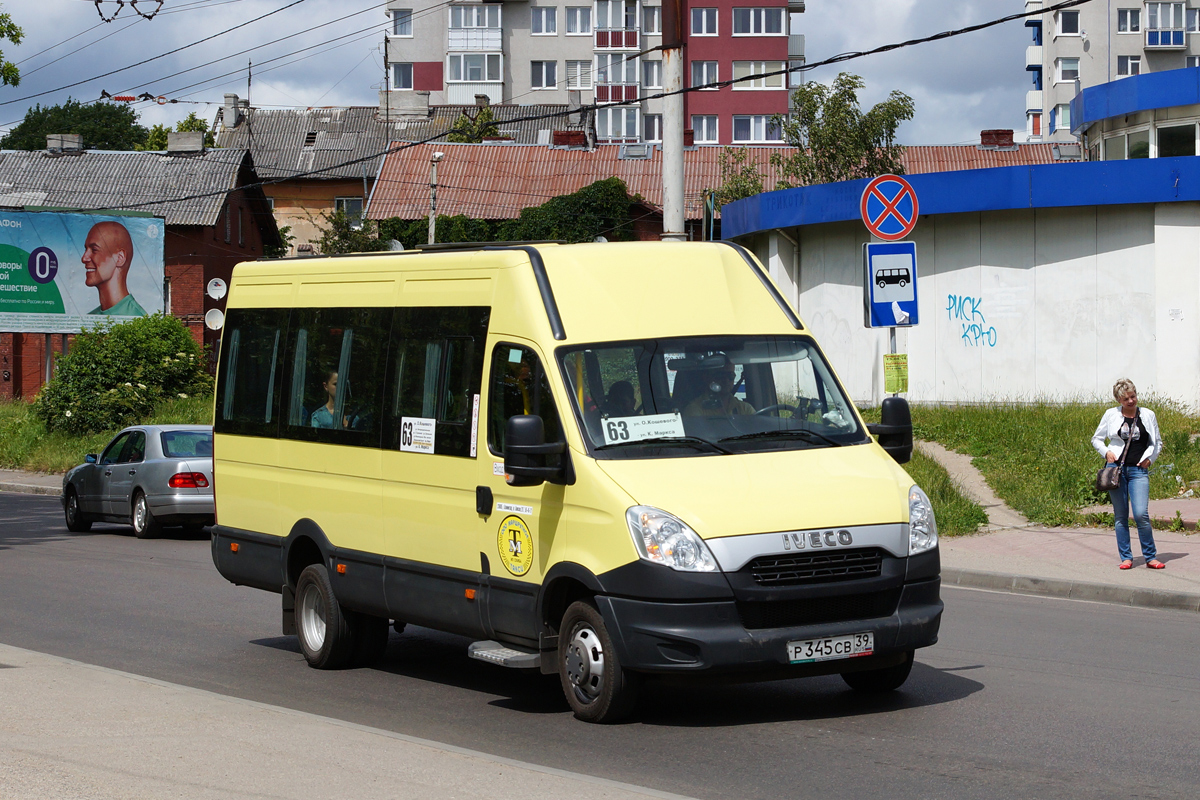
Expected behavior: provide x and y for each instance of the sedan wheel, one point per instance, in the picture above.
(145, 526)
(75, 520)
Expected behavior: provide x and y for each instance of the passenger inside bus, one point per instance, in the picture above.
(323, 416)
(622, 402)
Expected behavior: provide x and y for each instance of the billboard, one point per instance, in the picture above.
(60, 272)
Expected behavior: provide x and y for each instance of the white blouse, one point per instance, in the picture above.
(1106, 439)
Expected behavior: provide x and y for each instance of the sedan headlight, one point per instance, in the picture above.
(663, 538)
(922, 527)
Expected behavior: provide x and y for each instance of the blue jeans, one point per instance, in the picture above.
(1135, 489)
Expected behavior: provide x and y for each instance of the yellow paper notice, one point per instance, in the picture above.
(895, 373)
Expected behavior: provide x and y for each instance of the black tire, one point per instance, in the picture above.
(877, 681)
(145, 526)
(325, 631)
(903, 283)
(76, 521)
(370, 638)
(597, 687)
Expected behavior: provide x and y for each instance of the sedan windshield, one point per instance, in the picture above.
(659, 398)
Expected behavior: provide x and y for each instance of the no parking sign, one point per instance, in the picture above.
(889, 207)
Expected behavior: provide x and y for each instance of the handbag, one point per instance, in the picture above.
(1109, 476)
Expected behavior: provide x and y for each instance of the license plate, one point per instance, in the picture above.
(852, 646)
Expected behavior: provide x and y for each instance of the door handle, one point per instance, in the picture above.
(107, 473)
(133, 472)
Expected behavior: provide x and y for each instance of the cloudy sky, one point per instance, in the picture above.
(329, 54)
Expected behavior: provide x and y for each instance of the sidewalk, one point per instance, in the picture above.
(12, 480)
(71, 730)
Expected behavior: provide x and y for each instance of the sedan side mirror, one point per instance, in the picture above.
(526, 453)
(91, 458)
(895, 429)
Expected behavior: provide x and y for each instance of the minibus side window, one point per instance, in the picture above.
(251, 360)
(336, 359)
(519, 386)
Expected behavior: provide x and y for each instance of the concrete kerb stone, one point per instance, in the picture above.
(29, 488)
(1073, 590)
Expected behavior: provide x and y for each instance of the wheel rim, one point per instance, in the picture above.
(72, 508)
(139, 514)
(312, 617)
(585, 664)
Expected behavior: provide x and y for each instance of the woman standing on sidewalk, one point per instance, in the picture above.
(1130, 434)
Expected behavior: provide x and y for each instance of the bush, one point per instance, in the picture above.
(115, 374)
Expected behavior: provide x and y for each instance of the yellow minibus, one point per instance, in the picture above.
(604, 461)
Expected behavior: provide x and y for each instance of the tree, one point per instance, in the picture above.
(104, 126)
(740, 177)
(157, 138)
(468, 129)
(834, 140)
(345, 234)
(9, 74)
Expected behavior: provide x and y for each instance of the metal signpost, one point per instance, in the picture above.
(889, 210)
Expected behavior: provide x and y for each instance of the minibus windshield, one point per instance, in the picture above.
(711, 395)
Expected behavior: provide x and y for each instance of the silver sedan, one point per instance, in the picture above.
(148, 476)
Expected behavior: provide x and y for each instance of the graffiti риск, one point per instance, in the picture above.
(968, 311)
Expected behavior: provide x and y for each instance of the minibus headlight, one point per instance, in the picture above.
(663, 538)
(922, 527)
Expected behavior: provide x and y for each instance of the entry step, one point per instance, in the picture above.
(505, 656)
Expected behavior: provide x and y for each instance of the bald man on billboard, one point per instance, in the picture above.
(107, 256)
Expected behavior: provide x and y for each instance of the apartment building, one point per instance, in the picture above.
(1096, 43)
(543, 51)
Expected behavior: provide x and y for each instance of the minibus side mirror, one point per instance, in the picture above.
(526, 451)
(895, 429)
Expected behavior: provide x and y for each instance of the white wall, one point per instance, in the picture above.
(1049, 304)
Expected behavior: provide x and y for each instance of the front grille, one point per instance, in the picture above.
(802, 568)
(817, 610)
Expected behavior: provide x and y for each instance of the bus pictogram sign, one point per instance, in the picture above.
(889, 207)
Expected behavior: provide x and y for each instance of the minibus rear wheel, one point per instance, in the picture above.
(323, 628)
(597, 687)
(876, 681)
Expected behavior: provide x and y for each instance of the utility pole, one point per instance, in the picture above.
(433, 162)
(673, 124)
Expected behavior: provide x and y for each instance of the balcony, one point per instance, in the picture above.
(796, 46)
(1033, 57)
(1033, 100)
(463, 93)
(1033, 5)
(1166, 39)
(475, 39)
(616, 92)
(617, 39)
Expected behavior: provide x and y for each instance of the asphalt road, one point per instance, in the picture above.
(1023, 696)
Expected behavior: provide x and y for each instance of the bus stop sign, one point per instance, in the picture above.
(889, 207)
(890, 285)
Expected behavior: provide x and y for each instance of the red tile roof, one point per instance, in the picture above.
(496, 181)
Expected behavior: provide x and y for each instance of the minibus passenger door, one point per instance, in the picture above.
(523, 531)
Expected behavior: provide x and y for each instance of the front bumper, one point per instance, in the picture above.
(710, 637)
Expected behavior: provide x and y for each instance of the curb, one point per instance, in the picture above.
(29, 488)
(1073, 590)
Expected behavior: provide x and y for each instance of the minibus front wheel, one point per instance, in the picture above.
(323, 628)
(597, 687)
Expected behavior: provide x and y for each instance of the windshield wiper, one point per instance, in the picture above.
(692, 440)
(785, 434)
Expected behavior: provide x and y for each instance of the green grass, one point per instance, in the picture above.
(1038, 457)
(955, 513)
(26, 444)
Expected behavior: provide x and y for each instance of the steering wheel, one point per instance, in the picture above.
(777, 408)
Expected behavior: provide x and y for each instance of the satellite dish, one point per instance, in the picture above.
(214, 320)
(216, 290)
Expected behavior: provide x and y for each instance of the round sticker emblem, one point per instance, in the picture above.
(515, 545)
(43, 265)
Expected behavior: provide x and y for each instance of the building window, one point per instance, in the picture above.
(744, 69)
(544, 74)
(579, 21)
(758, 22)
(1177, 140)
(1129, 65)
(652, 127)
(1035, 124)
(704, 127)
(617, 123)
(579, 74)
(475, 16)
(1193, 20)
(796, 76)
(1061, 120)
(1068, 23)
(402, 22)
(1164, 15)
(271, 204)
(652, 74)
(544, 21)
(756, 128)
(652, 20)
(474, 67)
(1067, 69)
(1193, 61)
(1129, 20)
(402, 76)
(704, 72)
(616, 15)
(350, 206)
(704, 22)
(616, 68)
